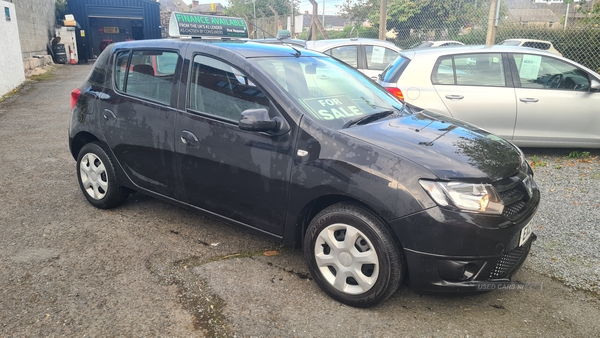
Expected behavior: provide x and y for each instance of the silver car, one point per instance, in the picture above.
(370, 56)
(528, 96)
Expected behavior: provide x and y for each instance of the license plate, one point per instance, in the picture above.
(526, 233)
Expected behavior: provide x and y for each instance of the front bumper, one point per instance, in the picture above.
(446, 274)
(456, 251)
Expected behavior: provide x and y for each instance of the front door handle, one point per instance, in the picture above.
(108, 113)
(455, 97)
(188, 138)
(529, 99)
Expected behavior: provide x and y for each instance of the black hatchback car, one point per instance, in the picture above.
(306, 150)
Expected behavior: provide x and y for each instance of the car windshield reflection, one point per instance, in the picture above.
(329, 91)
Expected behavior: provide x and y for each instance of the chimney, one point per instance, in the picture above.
(194, 3)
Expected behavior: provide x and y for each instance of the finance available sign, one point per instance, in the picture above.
(186, 24)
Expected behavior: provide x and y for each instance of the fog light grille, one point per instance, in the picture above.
(507, 262)
(513, 209)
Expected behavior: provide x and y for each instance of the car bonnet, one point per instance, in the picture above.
(449, 148)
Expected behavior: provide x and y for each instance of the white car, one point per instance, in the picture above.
(531, 43)
(369, 56)
(528, 96)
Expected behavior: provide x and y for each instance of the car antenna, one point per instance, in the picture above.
(297, 54)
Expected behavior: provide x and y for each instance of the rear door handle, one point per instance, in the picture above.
(529, 99)
(455, 97)
(188, 138)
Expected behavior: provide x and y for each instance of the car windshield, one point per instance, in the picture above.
(329, 91)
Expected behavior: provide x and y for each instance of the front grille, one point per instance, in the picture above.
(507, 262)
(514, 192)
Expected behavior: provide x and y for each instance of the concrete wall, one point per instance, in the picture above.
(36, 25)
(11, 61)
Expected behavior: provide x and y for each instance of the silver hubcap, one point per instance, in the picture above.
(93, 176)
(346, 259)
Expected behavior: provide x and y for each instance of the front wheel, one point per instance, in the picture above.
(98, 179)
(352, 256)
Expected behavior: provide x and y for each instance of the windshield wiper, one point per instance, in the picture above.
(368, 118)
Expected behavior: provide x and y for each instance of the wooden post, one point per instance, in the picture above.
(491, 30)
(382, 19)
(276, 19)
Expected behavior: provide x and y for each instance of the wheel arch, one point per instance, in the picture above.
(312, 208)
(80, 140)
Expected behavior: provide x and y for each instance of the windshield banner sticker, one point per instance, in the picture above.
(333, 107)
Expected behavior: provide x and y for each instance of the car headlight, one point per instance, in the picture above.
(473, 197)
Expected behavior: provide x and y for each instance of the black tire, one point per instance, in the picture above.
(98, 179)
(382, 269)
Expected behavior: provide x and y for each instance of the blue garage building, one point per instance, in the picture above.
(100, 22)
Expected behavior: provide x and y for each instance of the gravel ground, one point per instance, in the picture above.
(567, 223)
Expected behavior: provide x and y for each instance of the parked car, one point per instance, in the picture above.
(443, 43)
(531, 43)
(370, 56)
(302, 148)
(531, 97)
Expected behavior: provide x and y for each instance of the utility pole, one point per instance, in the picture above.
(492, 22)
(382, 19)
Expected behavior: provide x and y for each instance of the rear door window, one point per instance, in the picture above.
(482, 69)
(379, 57)
(146, 74)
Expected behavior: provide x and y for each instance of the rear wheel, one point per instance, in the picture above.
(352, 256)
(98, 179)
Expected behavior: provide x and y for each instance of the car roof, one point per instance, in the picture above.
(324, 44)
(410, 53)
(245, 48)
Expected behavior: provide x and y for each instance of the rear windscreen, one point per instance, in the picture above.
(393, 71)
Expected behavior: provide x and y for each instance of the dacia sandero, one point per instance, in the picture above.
(308, 151)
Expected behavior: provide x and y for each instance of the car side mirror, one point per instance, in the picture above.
(258, 120)
(594, 86)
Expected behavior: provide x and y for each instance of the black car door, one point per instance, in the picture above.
(241, 175)
(138, 117)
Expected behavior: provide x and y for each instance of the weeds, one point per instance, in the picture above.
(578, 155)
(536, 162)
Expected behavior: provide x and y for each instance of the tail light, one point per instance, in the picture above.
(396, 92)
(75, 94)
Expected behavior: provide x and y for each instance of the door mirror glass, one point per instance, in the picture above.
(258, 120)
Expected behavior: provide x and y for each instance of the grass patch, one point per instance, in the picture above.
(536, 162)
(578, 155)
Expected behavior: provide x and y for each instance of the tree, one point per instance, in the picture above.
(246, 7)
(60, 10)
(435, 15)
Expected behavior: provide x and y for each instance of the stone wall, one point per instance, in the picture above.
(36, 25)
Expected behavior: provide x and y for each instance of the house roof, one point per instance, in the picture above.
(532, 15)
(330, 20)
